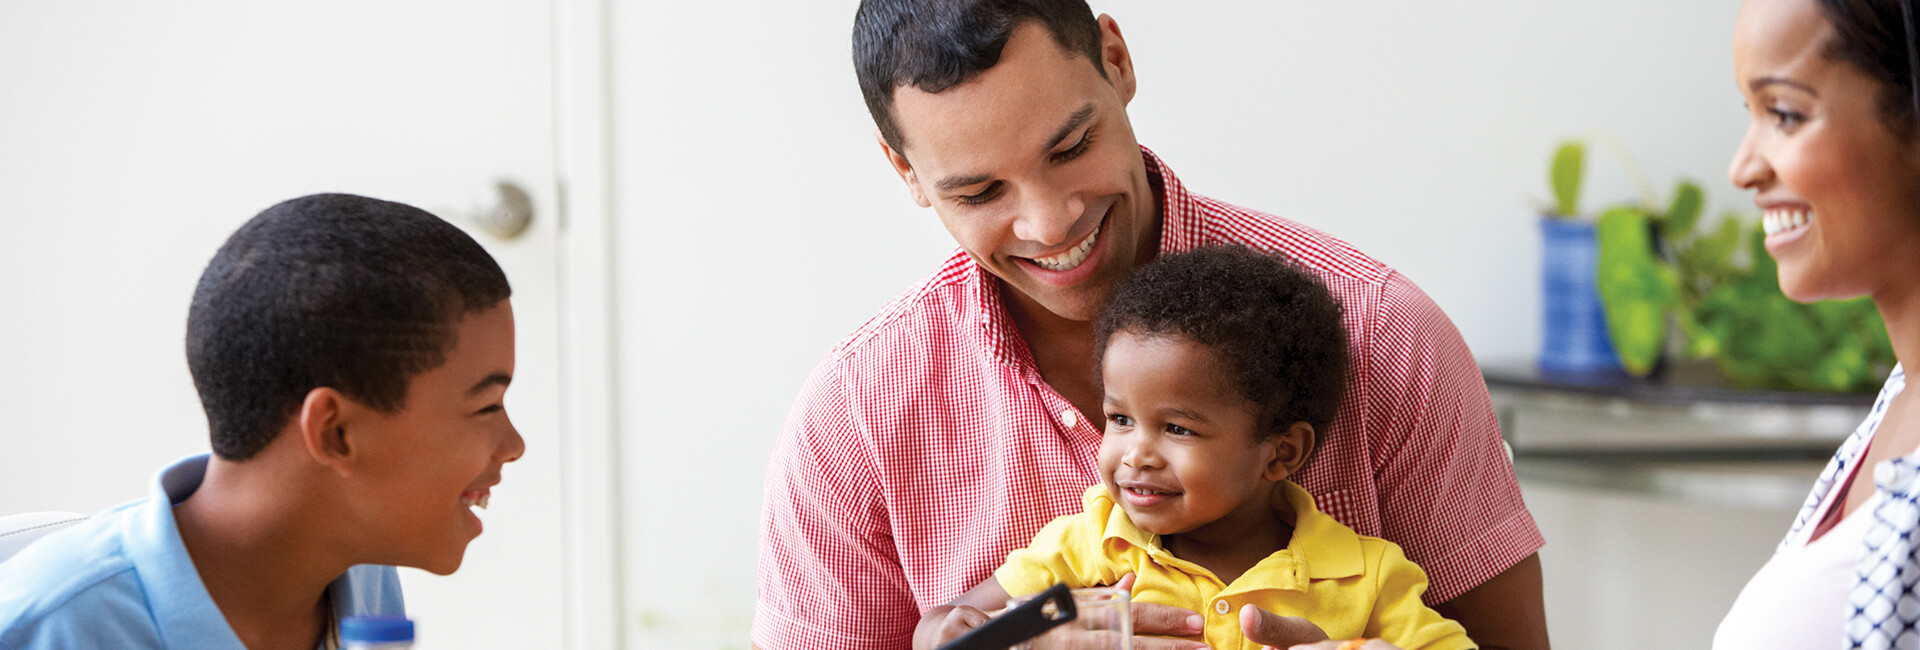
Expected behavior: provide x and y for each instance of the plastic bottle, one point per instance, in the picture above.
(376, 633)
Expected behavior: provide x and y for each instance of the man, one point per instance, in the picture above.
(351, 355)
(961, 418)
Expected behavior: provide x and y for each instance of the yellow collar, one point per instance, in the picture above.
(1327, 548)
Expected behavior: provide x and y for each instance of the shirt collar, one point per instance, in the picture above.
(1181, 230)
(183, 611)
(1321, 549)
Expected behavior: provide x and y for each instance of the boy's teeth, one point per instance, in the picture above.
(1783, 220)
(1072, 257)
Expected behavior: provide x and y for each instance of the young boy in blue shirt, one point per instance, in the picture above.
(1219, 367)
(351, 355)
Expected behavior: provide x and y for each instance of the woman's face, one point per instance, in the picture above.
(1839, 191)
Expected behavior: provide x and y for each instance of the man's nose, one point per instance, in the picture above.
(1047, 218)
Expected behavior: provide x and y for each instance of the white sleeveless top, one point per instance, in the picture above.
(1798, 601)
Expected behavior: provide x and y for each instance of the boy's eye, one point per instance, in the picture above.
(1178, 430)
(1120, 420)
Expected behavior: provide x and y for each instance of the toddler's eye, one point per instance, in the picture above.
(1120, 420)
(1178, 430)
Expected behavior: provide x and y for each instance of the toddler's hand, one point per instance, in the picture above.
(1276, 631)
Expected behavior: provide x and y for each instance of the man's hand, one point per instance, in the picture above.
(1276, 631)
(945, 623)
(1152, 623)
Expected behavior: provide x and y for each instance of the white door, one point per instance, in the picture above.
(135, 136)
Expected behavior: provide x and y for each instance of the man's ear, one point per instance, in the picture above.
(904, 169)
(1115, 59)
(1291, 449)
(322, 425)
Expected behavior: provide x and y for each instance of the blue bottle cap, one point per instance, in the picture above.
(376, 628)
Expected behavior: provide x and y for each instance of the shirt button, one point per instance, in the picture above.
(1069, 419)
(1220, 607)
(1885, 474)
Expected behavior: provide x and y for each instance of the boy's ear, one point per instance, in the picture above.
(322, 426)
(1291, 449)
(904, 169)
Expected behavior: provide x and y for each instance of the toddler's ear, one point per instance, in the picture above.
(1291, 448)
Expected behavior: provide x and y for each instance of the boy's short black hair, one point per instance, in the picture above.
(934, 45)
(334, 290)
(1271, 325)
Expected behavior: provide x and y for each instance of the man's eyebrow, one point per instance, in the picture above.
(951, 183)
(495, 379)
(1762, 82)
(1074, 121)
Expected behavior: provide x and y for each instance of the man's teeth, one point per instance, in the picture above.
(1071, 258)
(478, 502)
(1782, 220)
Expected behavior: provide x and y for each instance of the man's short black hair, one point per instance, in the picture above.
(1272, 326)
(934, 45)
(332, 290)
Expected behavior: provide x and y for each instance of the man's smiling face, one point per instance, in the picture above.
(1033, 167)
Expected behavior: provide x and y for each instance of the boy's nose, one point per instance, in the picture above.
(512, 446)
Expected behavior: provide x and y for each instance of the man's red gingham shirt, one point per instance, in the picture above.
(926, 447)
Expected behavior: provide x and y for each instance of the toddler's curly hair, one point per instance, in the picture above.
(1270, 324)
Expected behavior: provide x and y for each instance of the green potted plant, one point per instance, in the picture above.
(1573, 322)
(1657, 267)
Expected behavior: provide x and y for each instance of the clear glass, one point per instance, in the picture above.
(1104, 622)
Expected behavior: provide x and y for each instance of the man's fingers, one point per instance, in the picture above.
(960, 621)
(1267, 628)
(1166, 620)
(1125, 584)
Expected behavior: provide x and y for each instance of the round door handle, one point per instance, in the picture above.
(509, 214)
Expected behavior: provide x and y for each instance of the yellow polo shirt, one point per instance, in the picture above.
(1348, 584)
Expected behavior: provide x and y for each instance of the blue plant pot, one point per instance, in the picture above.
(1574, 338)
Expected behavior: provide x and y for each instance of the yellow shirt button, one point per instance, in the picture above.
(1220, 607)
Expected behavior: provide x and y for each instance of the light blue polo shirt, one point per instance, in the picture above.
(124, 580)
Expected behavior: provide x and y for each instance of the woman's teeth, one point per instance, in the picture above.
(1071, 258)
(1783, 220)
(476, 501)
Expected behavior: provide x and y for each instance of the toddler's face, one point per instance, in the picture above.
(1182, 451)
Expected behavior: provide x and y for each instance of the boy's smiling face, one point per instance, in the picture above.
(441, 452)
(1183, 453)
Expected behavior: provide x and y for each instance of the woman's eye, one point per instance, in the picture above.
(1786, 119)
(491, 408)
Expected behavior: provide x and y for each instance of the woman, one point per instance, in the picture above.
(1832, 152)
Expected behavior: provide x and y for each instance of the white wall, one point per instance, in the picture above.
(757, 223)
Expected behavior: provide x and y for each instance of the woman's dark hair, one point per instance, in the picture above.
(1270, 324)
(333, 290)
(934, 45)
(1878, 37)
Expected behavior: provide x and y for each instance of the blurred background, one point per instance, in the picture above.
(711, 214)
